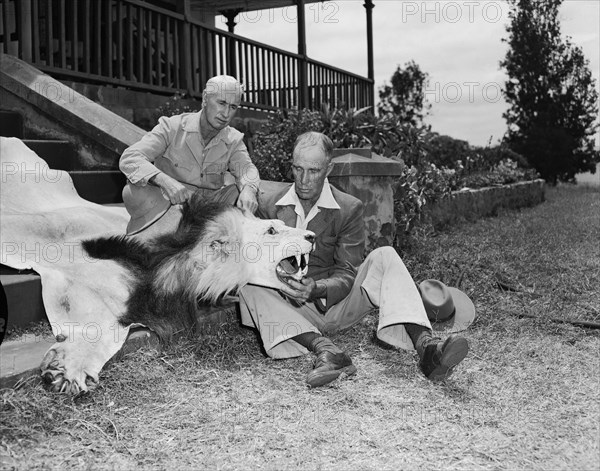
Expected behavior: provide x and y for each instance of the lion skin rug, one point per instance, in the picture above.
(97, 282)
(43, 223)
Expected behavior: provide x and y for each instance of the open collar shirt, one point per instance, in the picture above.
(326, 200)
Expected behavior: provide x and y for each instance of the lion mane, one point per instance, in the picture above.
(215, 250)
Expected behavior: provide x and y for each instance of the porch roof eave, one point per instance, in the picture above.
(242, 5)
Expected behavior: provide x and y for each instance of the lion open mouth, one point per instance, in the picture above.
(294, 267)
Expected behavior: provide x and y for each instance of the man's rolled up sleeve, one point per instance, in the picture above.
(136, 162)
(242, 168)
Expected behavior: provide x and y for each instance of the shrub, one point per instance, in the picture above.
(178, 104)
(347, 128)
(504, 172)
(273, 143)
(416, 187)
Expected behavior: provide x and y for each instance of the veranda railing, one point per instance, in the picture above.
(136, 45)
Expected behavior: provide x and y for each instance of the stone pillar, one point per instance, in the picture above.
(370, 178)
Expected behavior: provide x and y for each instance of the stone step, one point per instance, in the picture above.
(23, 290)
(59, 155)
(99, 186)
(11, 124)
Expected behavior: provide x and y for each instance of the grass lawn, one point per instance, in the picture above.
(526, 397)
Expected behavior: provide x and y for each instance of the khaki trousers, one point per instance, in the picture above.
(382, 281)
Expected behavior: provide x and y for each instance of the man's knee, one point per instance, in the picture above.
(384, 254)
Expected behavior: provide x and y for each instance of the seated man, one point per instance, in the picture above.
(338, 290)
(190, 152)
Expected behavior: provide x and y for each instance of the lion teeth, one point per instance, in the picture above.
(298, 261)
(306, 258)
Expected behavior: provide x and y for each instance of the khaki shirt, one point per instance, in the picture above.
(175, 147)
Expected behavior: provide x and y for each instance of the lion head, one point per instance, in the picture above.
(222, 249)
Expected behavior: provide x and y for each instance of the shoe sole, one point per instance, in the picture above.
(452, 356)
(322, 378)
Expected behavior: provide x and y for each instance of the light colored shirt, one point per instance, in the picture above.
(326, 200)
(175, 147)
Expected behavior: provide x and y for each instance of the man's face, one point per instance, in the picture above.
(310, 168)
(220, 107)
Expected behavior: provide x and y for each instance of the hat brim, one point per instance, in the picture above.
(463, 317)
(137, 225)
(146, 205)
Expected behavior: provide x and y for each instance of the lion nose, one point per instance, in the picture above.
(310, 237)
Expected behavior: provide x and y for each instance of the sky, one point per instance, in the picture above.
(458, 43)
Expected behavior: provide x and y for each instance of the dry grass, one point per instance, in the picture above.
(527, 397)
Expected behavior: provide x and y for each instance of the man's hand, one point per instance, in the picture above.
(306, 290)
(247, 199)
(173, 190)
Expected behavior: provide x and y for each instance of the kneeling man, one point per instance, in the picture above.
(338, 290)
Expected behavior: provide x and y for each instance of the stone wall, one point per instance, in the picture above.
(474, 204)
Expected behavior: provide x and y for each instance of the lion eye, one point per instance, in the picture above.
(271, 231)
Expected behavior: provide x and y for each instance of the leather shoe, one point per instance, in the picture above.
(331, 362)
(440, 358)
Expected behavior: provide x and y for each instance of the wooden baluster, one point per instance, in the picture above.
(5, 27)
(176, 63)
(196, 45)
(35, 32)
(75, 37)
(255, 76)
(24, 16)
(148, 43)
(168, 60)
(280, 73)
(120, 35)
(98, 38)
(62, 42)
(87, 26)
(221, 47)
(129, 56)
(49, 34)
(263, 77)
(157, 49)
(140, 44)
(108, 49)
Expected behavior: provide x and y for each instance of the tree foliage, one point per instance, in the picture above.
(405, 96)
(553, 103)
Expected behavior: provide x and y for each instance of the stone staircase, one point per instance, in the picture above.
(23, 287)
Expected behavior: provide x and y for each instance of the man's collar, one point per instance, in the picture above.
(326, 199)
(192, 124)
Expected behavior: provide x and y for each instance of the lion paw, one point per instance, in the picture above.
(65, 369)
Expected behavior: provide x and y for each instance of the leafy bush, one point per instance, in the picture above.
(475, 166)
(272, 144)
(178, 104)
(504, 172)
(416, 187)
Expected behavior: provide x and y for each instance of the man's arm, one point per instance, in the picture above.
(137, 162)
(246, 176)
(348, 255)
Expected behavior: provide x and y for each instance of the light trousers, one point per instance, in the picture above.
(382, 281)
